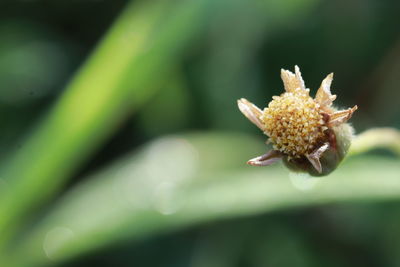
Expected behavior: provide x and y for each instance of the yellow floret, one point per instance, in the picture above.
(293, 122)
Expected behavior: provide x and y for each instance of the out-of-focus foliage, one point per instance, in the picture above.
(145, 197)
(111, 146)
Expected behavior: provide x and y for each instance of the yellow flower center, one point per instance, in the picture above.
(293, 123)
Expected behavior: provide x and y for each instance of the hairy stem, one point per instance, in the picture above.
(387, 138)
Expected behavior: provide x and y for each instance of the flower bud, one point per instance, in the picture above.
(307, 133)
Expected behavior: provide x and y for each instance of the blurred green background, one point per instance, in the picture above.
(121, 143)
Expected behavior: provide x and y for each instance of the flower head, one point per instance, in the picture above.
(307, 133)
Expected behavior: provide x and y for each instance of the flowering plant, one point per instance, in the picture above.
(307, 133)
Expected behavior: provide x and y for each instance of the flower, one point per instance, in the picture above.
(307, 133)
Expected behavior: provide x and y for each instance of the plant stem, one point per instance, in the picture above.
(387, 138)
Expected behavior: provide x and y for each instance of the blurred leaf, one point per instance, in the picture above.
(145, 42)
(169, 110)
(166, 187)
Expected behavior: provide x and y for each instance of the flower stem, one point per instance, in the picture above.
(387, 138)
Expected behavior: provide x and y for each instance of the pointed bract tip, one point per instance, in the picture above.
(315, 162)
(267, 159)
